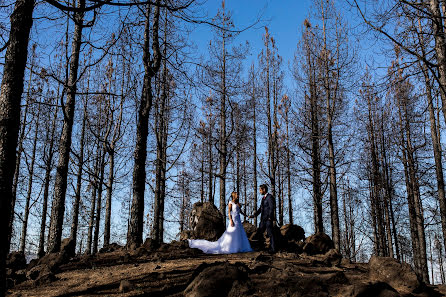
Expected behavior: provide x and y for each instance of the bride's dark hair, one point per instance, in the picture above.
(232, 197)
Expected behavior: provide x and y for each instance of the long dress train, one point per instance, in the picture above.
(233, 240)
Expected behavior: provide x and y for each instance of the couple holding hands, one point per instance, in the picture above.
(234, 239)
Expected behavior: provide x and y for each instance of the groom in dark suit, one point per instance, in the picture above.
(268, 211)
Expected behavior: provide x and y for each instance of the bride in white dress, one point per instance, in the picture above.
(234, 240)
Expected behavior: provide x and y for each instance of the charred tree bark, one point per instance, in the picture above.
(94, 185)
(20, 149)
(254, 138)
(108, 202)
(60, 187)
(48, 168)
(435, 134)
(223, 152)
(77, 195)
(30, 183)
(440, 48)
(151, 66)
(10, 98)
(161, 132)
(99, 200)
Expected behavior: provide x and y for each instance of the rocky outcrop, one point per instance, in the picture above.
(175, 270)
(205, 222)
(398, 275)
(219, 279)
(319, 243)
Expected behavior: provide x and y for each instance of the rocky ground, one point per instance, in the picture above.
(304, 266)
(175, 270)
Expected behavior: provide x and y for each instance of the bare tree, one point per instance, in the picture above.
(10, 98)
(60, 187)
(151, 67)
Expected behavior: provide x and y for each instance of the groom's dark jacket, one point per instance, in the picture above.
(267, 209)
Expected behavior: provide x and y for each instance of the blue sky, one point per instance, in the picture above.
(283, 18)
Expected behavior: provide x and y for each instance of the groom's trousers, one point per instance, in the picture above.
(268, 227)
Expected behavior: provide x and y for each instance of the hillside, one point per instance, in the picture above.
(176, 270)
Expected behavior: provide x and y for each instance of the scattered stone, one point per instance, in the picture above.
(398, 275)
(125, 286)
(319, 243)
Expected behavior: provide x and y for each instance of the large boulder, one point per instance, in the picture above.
(219, 279)
(318, 243)
(205, 221)
(292, 232)
(400, 276)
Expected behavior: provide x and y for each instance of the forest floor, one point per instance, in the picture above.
(178, 271)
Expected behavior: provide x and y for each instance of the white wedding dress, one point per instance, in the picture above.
(234, 240)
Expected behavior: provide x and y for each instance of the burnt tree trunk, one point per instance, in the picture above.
(10, 99)
(151, 67)
(60, 187)
(435, 135)
(94, 186)
(20, 149)
(99, 201)
(254, 138)
(30, 183)
(48, 167)
(108, 202)
(77, 195)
